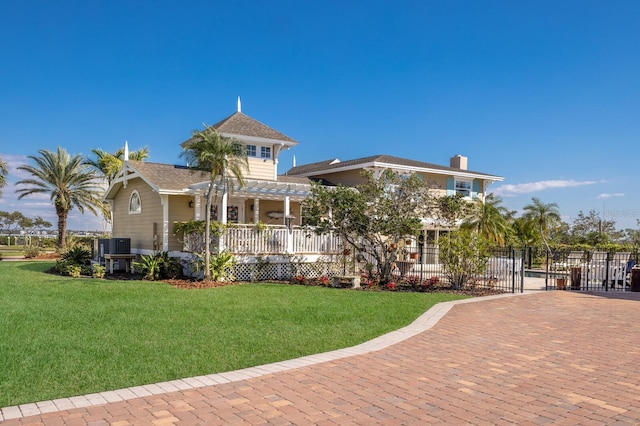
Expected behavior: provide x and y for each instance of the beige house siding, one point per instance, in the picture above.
(260, 169)
(266, 206)
(179, 211)
(138, 227)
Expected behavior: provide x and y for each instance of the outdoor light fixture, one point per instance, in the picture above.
(190, 204)
(288, 220)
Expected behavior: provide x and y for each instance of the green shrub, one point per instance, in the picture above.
(32, 251)
(74, 271)
(78, 255)
(62, 266)
(220, 266)
(159, 266)
(463, 254)
(98, 271)
(150, 266)
(171, 267)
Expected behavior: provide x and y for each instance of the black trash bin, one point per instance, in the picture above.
(576, 277)
(635, 279)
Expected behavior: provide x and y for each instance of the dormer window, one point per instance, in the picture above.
(265, 152)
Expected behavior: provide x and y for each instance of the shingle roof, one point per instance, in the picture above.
(294, 179)
(169, 177)
(240, 125)
(331, 164)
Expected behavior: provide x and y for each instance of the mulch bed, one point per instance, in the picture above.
(193, 284)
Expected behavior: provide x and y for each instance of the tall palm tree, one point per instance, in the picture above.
(4, 171)
(223, 158)
(69, 182)
(544, 216)
(487, 218)
(110, 164)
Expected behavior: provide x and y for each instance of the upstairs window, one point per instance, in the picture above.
(463, 187)
(265, 152)
(251, 151)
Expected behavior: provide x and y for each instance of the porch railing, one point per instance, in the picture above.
(272, 239)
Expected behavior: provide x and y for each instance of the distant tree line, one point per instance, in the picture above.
(16, 222)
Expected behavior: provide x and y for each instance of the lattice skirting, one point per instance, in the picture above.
(285, 268)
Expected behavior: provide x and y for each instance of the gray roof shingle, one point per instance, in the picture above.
(242, 125)
(328, 165)
(168, 177)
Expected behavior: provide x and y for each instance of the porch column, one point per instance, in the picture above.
(164, 200)
(256, 210)
(223, 218)
(287, 212)
(196, 213)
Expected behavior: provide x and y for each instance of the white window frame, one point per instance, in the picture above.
(252, 151)
(265, 152)
(464, 191)
(135, 203)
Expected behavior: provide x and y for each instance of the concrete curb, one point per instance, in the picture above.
(422, 323)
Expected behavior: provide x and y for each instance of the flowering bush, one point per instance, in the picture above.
(413, 281)
(391, 286)
(366, 283)
(434, 280)
(299, 279)
(323, 280)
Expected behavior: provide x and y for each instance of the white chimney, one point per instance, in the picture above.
(458, 162)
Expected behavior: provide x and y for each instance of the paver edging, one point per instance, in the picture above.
(424, 322)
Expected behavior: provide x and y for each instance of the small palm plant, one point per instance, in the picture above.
(150, 265)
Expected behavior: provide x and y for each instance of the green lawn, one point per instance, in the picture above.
(61, 336)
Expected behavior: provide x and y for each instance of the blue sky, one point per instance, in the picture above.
(544, 93)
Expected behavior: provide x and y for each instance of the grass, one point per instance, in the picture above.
(61, 336)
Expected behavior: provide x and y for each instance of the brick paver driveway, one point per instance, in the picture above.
(547, 358)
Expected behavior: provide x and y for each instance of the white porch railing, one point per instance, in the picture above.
(250, 240)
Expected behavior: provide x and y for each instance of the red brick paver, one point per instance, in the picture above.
(547, 358)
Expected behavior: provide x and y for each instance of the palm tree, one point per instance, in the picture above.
(544, 216)
(223, 158)
(69, 182)
(110, 164)
(487, 218)
(4, 171)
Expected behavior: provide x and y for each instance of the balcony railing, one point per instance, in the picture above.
(251, 240)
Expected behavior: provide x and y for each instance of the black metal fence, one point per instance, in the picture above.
(421, 267)
(587, 270)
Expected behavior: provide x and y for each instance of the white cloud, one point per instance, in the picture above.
(603, 196)
(525, 188)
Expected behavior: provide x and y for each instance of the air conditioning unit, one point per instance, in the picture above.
(120, 246)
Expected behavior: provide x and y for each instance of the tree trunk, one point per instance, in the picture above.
(62, 227)
(207, 239)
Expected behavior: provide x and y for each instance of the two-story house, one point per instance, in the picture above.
(147, 199)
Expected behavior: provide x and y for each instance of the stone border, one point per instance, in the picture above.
(422, 323)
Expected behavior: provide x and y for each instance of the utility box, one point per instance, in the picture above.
(120, 246)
